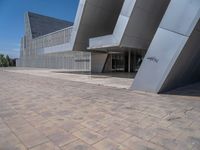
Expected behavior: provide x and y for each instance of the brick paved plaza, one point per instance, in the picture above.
(44, 113)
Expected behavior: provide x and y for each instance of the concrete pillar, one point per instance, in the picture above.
(129, 61)
(134, 59)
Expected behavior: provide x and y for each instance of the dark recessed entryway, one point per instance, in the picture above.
(127, 61)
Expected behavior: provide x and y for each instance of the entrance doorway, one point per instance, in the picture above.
(128, 61)
(118, 62)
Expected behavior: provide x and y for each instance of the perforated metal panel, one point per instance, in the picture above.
(70, 61)
(32, 51)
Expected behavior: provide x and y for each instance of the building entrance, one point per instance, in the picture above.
(118, 62)
(128, 61)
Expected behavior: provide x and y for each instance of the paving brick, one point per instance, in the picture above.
(54, 112)
(46, 146)
(32, 139)
(78, 145)
(62, 138)
(135, 143)
(108, 144)
(88, 136)
(115, 134)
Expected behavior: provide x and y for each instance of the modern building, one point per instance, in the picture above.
(157, 40)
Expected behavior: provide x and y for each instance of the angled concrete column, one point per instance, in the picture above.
(135, 27)
(172, 59)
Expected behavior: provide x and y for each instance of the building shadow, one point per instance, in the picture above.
(116, 75)
(190, 90)
(103, 75)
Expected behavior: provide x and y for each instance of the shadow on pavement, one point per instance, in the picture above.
(190, 90)
(103, 75)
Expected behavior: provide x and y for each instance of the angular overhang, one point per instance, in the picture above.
(136, 25)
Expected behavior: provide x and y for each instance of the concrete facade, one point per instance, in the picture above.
(112, 36)
(172, 59)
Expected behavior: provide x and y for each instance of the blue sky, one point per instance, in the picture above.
(12, 19)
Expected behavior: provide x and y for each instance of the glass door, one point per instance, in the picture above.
(118, 62)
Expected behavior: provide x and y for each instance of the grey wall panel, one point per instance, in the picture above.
(127, 8)
(161, 54)
(114, 39)
(186, 69)
(103, 41)
(98, 18)
(136, 25)
(143, 23)
(181, 16)
(86, 25)
(98, 62)
(108, 64)
(172, 59)
(69, 61)
(111, 40)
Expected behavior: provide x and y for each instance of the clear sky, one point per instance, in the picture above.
(12, 19)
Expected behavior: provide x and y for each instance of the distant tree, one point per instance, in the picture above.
(1, 60)
(6, 61)
(11, 62)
